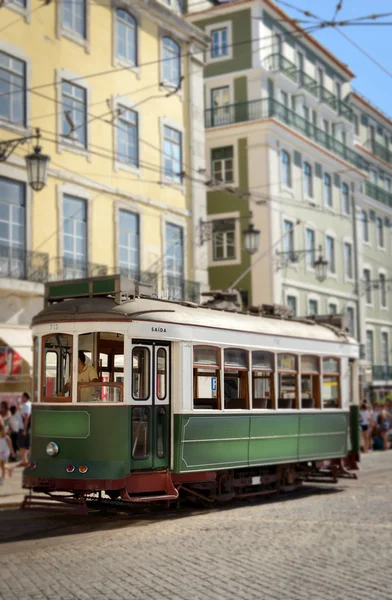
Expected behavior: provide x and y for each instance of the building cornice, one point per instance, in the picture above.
(371, 108)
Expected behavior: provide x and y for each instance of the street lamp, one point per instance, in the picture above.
(251, 235)
(320, 265)
(36, 163)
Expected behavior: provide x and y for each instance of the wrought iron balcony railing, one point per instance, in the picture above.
(379, 150)
(267, 108)
(18, 263)
(382, 372)
(176, 288)
(308, 83)
(71, 268)
(376, 192)
(278, 62)
(346, 111)
(328, 97)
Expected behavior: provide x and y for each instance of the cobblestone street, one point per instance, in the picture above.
(321, 543)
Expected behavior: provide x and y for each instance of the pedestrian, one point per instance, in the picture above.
(5, 412)
(365, 419)
(383, 427)
(24, 431)
(14, 425)
(6, 451)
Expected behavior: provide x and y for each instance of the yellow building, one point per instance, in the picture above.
(116, 89)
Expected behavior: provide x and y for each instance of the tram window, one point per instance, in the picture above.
(287, 378)
(100, 392)
(310, 382)
(263, 380)
(57, 367)
(161, 373)
(331, 383)
(236, 392)
(140, 432)
(140, 373)
(206, 378)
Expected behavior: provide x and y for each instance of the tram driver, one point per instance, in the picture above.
(86, 373)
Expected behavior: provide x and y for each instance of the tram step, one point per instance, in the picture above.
(58, 504)
(149, 487)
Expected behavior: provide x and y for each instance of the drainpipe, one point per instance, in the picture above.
(357, 291)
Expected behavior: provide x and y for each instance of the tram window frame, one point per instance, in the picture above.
(146, 413)
(56, 398)
(264, 372)
(315, 375)
(232, 371)
(146, 396)
(332, 375)
(158, 374)
(36, 359)
(292, 373)
(99, 385)
(206, 369)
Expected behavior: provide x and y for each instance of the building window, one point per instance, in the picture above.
(12, 89)
(380, 232)
(350, 320)
(330, 252)
(172, 154)
(327, 190)
(219, 45)
(369, 347)
(288, 239)
(291, 302)
(220, 106)
(74, 237)
(383, 291)
(171, 62)
(12, 228)
(313, 307)
(332, 308)
(348, 260)
(174, 261)
(126, 33)
(222, 164)
(356, 124)
(128, 137)
(223, 239)
(384, 348)
(345, 199)
(310, 247)
(286, 168)
(373, 176)
(263, 366)
(308, 183)
(74, 123)
(365, 226)
(128, 244)
(74, 17)
(367, 286)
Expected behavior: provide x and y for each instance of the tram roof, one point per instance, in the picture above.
(164, 311)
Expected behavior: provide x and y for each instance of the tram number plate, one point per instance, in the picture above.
(50, 483)
(256, 480)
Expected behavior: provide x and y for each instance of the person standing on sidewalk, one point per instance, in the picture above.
(5, 452)
(24, 431)
(14, 425)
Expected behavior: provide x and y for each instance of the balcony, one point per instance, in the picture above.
(176, 288)
(71, 268)
(18, 263)
(378, 193)
(267, 108)
(379, 150)
(328, 97)
(346, 111)
(278, 62)
(382, 372)
(308, 83)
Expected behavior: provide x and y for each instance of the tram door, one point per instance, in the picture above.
(150, 417)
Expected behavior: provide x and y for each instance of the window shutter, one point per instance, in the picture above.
(379, 129)
(386, 222)
(297, 159)
(318, 170)
(364, 120)
(372, 215)
(336, 180)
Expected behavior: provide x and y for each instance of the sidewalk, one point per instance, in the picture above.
(11, 492)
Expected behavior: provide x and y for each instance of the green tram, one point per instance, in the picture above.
(141, 400)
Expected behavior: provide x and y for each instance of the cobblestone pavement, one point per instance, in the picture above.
(332, 543)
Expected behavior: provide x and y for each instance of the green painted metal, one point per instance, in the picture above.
(278, 62)
(67, 290)
(106, 450)
(241, 39)
(206, 442)
(355, 436)
(73, 424)
(378, 193)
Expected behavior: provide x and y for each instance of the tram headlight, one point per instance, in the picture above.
(52, 449)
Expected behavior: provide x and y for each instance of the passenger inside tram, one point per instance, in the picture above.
(86, 374)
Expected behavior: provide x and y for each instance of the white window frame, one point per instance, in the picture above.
(367, 267)
(384, 331)
(344, 211)
(294, 294)
(369, 329)
(222, 160)
(222, 25)
(165, 122)
(351, 305)
(310, 227)
(129, 104)
(306, 195)
(365, 212)
(347, 277)
(65, 143)
(327, 204)
(384, 273)
(132, 207)
(69, 189)
(70, 35)
(16, 52)
(164, 83)
(118, 228)
(313, 298)
(380, 247)
(180, 222)
(286, 185)
(117, 60)
(237, 240)
(9, 171)
(330, 234)
(287, 237)
(24, 11)
(335, 302)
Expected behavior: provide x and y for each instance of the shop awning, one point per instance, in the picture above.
(20, 340)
